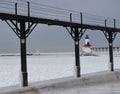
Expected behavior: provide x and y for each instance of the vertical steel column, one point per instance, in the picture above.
(28, 8)
(16, 9)
(81, 17)
(24, 77)
(111, 52)
(77, 57)
(28, 13)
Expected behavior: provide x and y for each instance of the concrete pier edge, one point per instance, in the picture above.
(84, 80)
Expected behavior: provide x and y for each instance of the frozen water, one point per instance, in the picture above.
(50, 66)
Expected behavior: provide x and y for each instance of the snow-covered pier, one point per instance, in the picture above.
(95, 83)
(105, 49)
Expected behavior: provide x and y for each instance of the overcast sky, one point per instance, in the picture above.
(54, 38)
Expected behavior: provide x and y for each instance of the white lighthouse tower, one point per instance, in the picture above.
(86, 49)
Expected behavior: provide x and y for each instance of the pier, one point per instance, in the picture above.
(104, 49)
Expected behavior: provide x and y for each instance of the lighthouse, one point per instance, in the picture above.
(86, 49)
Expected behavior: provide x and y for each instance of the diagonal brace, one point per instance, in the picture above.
(14, 29)
(72, 31)
(29, 31)
(14, 26)
(110, 33)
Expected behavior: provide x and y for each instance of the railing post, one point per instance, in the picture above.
(114, 23)
(28, 8)
(105, 23)
(16, 9)
(70, 17)
(28, 13)
(81, 15)
(16, 13)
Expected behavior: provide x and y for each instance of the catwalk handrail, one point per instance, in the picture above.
(56, 16)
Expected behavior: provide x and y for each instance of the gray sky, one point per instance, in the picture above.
(55, 38)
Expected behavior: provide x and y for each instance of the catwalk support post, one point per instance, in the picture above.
(111, 65)
(77, 55)
(24, 74)
(110, 36)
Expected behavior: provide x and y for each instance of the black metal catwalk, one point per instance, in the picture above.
(23, 26)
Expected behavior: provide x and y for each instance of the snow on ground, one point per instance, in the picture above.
(50, 66)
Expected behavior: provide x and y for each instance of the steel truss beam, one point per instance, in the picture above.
(76, 34)
(110, 36)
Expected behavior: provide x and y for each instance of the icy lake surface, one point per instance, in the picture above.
(50, 66)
